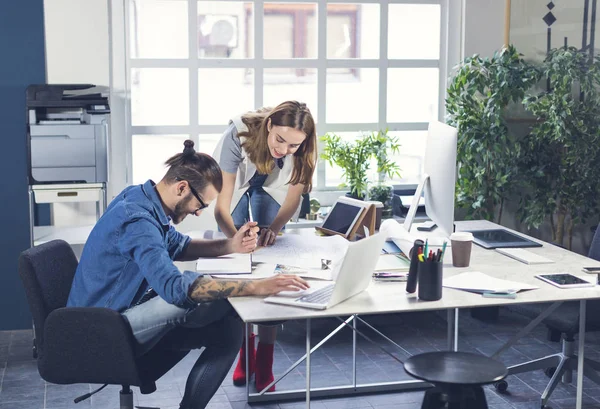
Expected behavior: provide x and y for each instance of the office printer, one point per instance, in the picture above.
(67, 133)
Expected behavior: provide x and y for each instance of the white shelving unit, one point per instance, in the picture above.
(65, 193)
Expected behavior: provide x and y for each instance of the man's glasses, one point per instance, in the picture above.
(196, 195)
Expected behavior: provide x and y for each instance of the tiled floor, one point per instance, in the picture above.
(22, 387)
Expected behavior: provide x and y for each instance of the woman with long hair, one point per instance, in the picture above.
(268, 158)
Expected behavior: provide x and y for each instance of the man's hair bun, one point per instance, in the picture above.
(188, 149)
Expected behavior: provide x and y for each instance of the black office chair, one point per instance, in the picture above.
(562, 323)
(83, 345)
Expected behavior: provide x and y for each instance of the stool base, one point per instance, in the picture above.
(455, 397)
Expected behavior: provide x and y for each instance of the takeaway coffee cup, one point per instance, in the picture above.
(461, 243)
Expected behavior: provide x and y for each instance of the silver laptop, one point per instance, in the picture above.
(354, 276)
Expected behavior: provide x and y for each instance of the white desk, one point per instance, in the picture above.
(70, 234)
(381, 298)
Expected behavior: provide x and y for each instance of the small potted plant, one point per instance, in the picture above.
(383, 194)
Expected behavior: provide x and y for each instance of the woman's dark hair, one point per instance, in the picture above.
(199, 169)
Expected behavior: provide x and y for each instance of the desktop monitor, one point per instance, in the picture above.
(439, 179)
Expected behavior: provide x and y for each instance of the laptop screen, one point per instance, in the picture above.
(341, 217)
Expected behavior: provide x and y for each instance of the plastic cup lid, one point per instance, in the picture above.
(461, 236)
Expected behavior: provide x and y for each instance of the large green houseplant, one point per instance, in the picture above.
(354, 158)
(383, 144)
(560, 158)
(478, 95)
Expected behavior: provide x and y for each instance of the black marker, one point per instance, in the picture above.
(411, 284)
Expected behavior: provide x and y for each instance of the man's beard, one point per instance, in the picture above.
(179, 213)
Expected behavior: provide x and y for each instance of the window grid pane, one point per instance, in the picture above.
(225, 30)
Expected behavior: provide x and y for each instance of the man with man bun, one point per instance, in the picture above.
(127, 265)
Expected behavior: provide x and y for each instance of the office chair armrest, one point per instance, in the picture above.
(88, 345)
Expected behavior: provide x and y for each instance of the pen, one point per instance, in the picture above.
(250, 217)
(426, 246)
(249, 208)
(444, 248)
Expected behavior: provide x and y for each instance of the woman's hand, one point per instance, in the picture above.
(267, 237)
(245, 239)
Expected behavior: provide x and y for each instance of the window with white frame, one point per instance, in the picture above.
(359, 66)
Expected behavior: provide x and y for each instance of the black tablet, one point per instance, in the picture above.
(499, 238)
(342, 217)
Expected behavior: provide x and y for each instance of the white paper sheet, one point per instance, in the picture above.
(229, 264)
(525, 256)
(304, 251)
(391, 262)
(315, 273)
(478, 282)
(405, 240)
(260, 270)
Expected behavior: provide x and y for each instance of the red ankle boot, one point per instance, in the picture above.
(239, 375)
(264, 366)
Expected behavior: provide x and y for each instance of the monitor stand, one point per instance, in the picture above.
(401, 234)
(412, 210)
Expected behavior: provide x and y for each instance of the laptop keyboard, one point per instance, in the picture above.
(321, 296)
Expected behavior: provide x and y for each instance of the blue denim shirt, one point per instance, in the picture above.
(131, 248)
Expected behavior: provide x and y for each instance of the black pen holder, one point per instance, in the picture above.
(430, 280)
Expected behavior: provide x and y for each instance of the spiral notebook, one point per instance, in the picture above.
(524, 256)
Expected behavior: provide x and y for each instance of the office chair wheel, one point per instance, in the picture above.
(501, 386)
(550, 371)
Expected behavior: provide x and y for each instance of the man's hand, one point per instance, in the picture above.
(244, 241)
(278, 283)
(267, 237)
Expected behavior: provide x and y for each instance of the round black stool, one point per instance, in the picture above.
(457, 378)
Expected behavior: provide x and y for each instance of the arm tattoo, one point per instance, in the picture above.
(205, 289)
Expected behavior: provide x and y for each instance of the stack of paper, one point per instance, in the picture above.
(478, 282)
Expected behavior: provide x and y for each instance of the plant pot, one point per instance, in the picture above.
(353, 196)
(386, 213)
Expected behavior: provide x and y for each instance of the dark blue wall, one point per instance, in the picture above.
(22, 62)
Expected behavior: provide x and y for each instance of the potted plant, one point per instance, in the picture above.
(382, 145)
(559, 158)
(354, 158)
(478, 96)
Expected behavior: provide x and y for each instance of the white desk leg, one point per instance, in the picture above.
(308, 363)
(31, 215)
(247, 328)
(452, 322)
(580, 358)
(354, 353)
